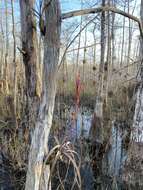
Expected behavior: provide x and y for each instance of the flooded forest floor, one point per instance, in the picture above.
(117, 163)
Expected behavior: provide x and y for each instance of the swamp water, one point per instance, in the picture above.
(76, 131)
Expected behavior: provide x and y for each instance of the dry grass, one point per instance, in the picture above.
(64, 153)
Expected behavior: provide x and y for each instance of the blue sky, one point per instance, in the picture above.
(69, 5)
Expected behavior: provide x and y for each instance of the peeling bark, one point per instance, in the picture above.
(35, 179)
(30, 59)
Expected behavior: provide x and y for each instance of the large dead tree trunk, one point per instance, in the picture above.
(29, 49)
(138, 116)
(44, 122)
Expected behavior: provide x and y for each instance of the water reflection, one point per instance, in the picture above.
(78, 124)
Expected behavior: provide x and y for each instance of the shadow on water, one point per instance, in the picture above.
(5, 173)
(77, 131)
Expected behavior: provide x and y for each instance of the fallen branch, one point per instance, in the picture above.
(102, 9)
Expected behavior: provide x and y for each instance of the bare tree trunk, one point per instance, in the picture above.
(96, 132)
(102, 59)
(2, 49)
(108, 65)
(130, 38)
(113, 37)
(34, 180)
(84, 58)
(14, 63)
(94, 47)
(6, 51)
(98, 111)
(30, 59)
(79, 42)
(138, 115)
(123, 40)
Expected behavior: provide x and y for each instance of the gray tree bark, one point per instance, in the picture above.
(35, 179)
(138, 115)
(98, 111)
(30, 59)
(7, 48)
(14, 63)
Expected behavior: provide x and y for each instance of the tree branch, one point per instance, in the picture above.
(68, 45)
(101, 9)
